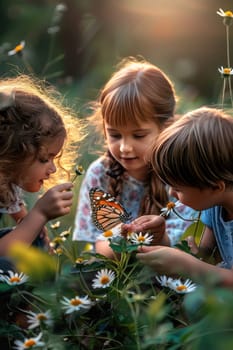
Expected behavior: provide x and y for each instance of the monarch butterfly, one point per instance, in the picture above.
(107, 212)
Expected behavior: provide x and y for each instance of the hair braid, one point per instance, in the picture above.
(115, 172)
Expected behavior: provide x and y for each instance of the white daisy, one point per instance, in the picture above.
(57, 242)
(56, 225)
(176, 284)
(53, 30)
(173, 207)
(227, 17)
(139, 238)
(222, 13)
(79, 170)
(225, 71)
(164, 281)
(29, 343)
(38, 319)
(168, 209)
(76, 304)
(18, 49)
(114, 232)
(182, 287)
(61, 7)
(14, 278)
(65, 234)
(81, 261)
(103, 278)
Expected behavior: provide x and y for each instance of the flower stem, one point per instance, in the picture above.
(181, 217)
(228, 63)
(223, 92)
(228, 47)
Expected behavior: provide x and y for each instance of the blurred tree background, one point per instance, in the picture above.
(75, 44)
(88, 37)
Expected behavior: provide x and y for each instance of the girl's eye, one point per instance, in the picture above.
(139, 136)
(115, 136)
(43, 160)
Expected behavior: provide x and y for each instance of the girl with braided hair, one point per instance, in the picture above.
(134, 106)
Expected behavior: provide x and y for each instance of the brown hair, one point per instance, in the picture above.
(196, 150)
(31, 115)
(138, 91)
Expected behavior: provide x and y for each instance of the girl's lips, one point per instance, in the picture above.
(126, 159)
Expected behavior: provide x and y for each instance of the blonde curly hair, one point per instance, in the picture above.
(32, 113)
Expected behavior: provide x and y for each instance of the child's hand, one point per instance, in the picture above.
(56, 201)
(166, 260)
(153, 224)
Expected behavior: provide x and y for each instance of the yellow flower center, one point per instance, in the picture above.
(181, 288)
(15, 279)
(19, 48)
(107, 234)
(29, 343)
(57, 240)
(75, 302)
(228, 13)
(58, 251)
(41, 317)
(80, 169)
(141, 238)
(104, 280)
(227, 70)
(170, 205)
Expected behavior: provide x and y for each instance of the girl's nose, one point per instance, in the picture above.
(125, 147)
(52, 168)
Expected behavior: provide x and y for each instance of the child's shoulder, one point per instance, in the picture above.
(97, 165)
(96, 170)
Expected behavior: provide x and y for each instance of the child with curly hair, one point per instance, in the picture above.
(33, 130)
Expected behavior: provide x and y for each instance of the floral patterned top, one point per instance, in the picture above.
(133, 191)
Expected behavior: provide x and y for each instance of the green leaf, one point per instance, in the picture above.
(4, 287)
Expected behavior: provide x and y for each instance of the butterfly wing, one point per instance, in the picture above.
(107, 212)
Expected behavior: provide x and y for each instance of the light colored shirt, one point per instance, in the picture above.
(14, 207)
(132, 193)
(223, 232)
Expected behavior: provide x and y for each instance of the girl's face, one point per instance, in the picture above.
(35, 173)
(129, 145)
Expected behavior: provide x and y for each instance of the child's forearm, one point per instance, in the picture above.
(175, 262)
(202, 270)
(102, 247)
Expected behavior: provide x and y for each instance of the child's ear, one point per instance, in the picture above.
(220, 186)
